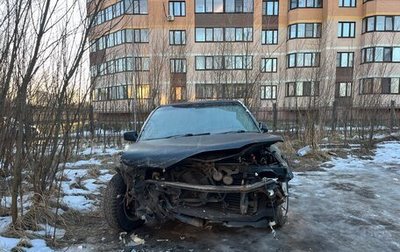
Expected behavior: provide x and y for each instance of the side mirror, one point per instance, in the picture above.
(263, 127)
(130, 136)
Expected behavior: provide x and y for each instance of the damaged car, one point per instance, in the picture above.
(200, 163)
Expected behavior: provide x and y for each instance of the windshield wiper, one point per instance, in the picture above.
(189, 135)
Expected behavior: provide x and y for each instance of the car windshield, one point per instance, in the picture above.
(181, 121)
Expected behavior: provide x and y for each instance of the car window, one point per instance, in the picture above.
(178, 121)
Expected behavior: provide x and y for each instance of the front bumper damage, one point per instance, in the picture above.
(213, 188)
(248, 205)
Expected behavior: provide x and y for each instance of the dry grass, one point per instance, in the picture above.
(93, 172)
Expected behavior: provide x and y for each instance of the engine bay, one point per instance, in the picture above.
(220, 186)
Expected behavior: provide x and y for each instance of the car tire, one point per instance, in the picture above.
(280, 218)
(282, 209)
(116, 213)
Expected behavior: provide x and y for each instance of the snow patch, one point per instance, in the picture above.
(38, 245)
(388, 153)
(26, 201)
(48, 231)
(89, 187)
(90, 162)
(4, 223)
(98, 151)
(78, 187)
(79, 203)
(105, 178)
(73, 174)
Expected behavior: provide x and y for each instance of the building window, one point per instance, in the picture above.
(143, 91)
(112, 93)
(101, 43)
(110, 67)
(121, 37)
(233, 91)
(178, 93)
(136, 6)
(138, 35)
(387, 85)
(270, 8)
(141, 64)
(343, 89)
(269, 65)
(367, 86)
(206, 91)
(344, 59)
(390, 85)
(177, 37)
(239, 6)
(268, 92)
(381, 24)
(122, 65)
(100, 18)
(178, 65)
(241, 34)
(294, 4)
(102, 94)
(208, 62)
(224, 6)
(269, 37)
(380, 54)
(303, 60)
(110, 13)
(304, 30)
(118, 65)
(232, 62)
(305, 88)
(346, 29)
(177, 9)
(93, 71)
(92, 47)
(347, 3)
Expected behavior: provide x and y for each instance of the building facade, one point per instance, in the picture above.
(292, 53)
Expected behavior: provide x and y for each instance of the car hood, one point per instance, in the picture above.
(162, 153)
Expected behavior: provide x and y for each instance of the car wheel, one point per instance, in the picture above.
(282, 209)
(117, 214)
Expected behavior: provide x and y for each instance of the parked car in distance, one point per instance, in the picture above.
(200, 163)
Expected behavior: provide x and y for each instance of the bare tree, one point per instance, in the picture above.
(33, 33)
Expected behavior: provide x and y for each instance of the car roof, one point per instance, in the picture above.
(205, 103)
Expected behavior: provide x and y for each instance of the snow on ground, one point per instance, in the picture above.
(105, 178)
(80, 191)
(99, 151)
(77, 178)
(4, 223)
(38, 245)
(79, 163)
(81, 185)
(48, 231)
(79, 203)
(388, 153)
(352, 196)
(26, 201)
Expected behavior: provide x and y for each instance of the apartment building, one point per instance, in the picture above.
(291, 53)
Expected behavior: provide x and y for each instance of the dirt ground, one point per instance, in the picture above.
(343, 205)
